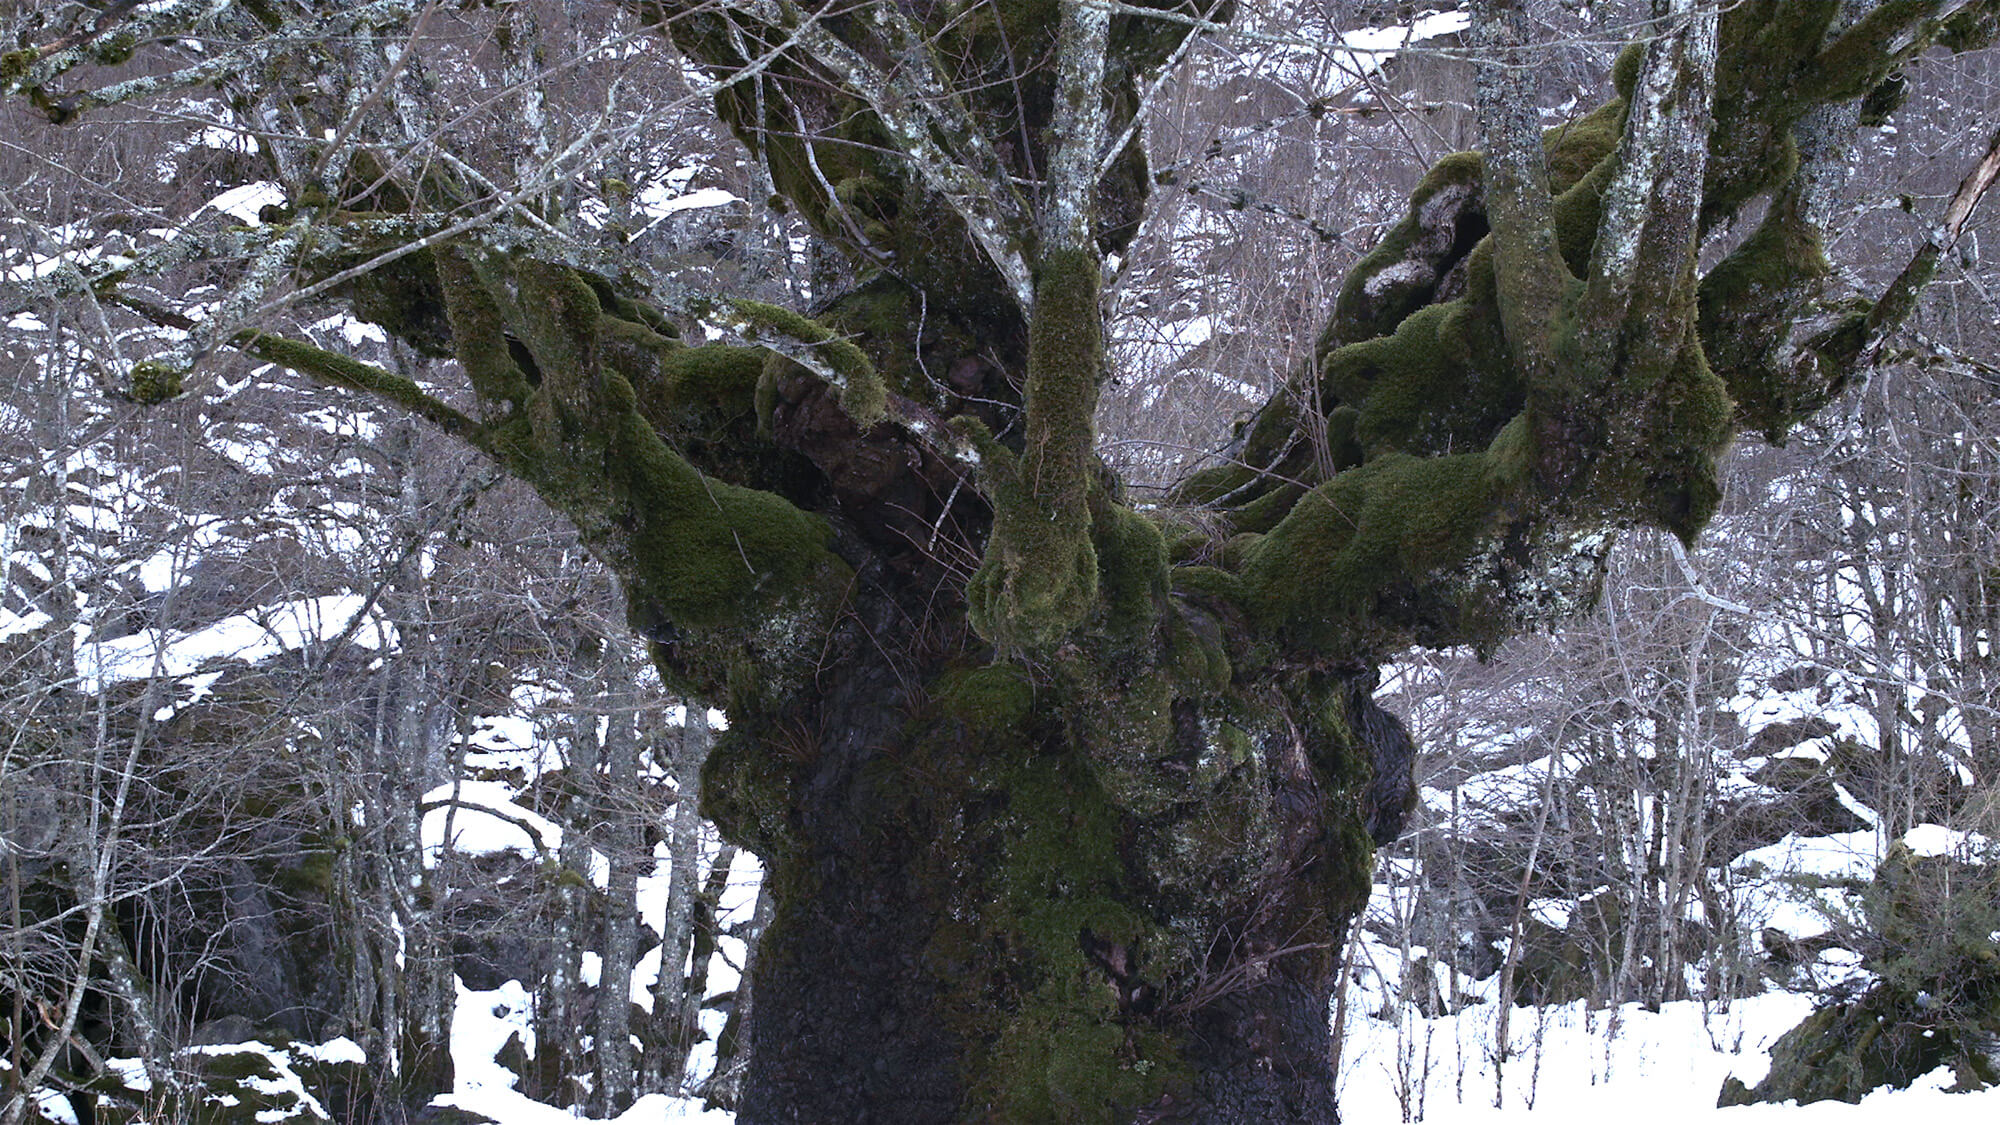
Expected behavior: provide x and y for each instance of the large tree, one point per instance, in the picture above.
(1066, 801)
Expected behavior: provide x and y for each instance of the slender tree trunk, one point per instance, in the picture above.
(672, 1028)
(623, 842)
(732, 1053)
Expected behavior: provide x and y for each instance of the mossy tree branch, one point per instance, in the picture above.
(385, 387)
(708, 566)
(1571, 353)
(1532, 277)
(1899, 300)
(1038, 579)
(1636, 307)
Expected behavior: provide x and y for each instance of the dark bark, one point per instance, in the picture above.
(970, 927)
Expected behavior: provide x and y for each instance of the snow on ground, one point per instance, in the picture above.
(484, 820)
(1571, 1064)
(248, 637)
(1589, 1065)
(483, 1023)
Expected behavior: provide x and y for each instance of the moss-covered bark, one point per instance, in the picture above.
(1039, 578)
(1114, 884)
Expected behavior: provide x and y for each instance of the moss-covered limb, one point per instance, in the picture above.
(1769, 326)
(813, 345)
(1636, 307)
(1899, 300)
(901, 166)
(1039, 577)
(1428, 370)
(1528, 264)
(1758, 321)
(342, 371)
(479, 333)
(1132, 568)
(1785, 344)
(1601, 407)
(1778, 60)
(721, 571)
(1384, 531)
(940, 148)
(1446, 218)
(1860, 57)
(242, 45)
(1077, 131)
(557, 320)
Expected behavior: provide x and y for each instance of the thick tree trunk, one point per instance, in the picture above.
(988, 909)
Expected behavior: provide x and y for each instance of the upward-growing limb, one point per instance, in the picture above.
(1548, 355)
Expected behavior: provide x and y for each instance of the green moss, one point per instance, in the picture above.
(309, 876)
(709, 552)
(559, 319)
(1424, 388)
(633, 350)
(1197, 653)
(1039, 577)
(1860, 58)
(1383, 528)
(479, 332)
(1062, 1051)
(1747, 304)
(747, 791)
(1210, 582)
(1625, 69)
(237, 1065)
(155, 382)
(625, 308)
(1264, 512)
(1576, 148)
(115, 49)
(1969, 29)
(1360, 314)
(1847, 1050)
(1699, 420)
(339, 370)
(696, 552)
(15, 64)
(1772, 70)
(862, 394)
(717, 374)
(1577, 213)
(1214, 483)
(1510, 457)
(993, 699)
(1132, 568)
(1275, 428)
